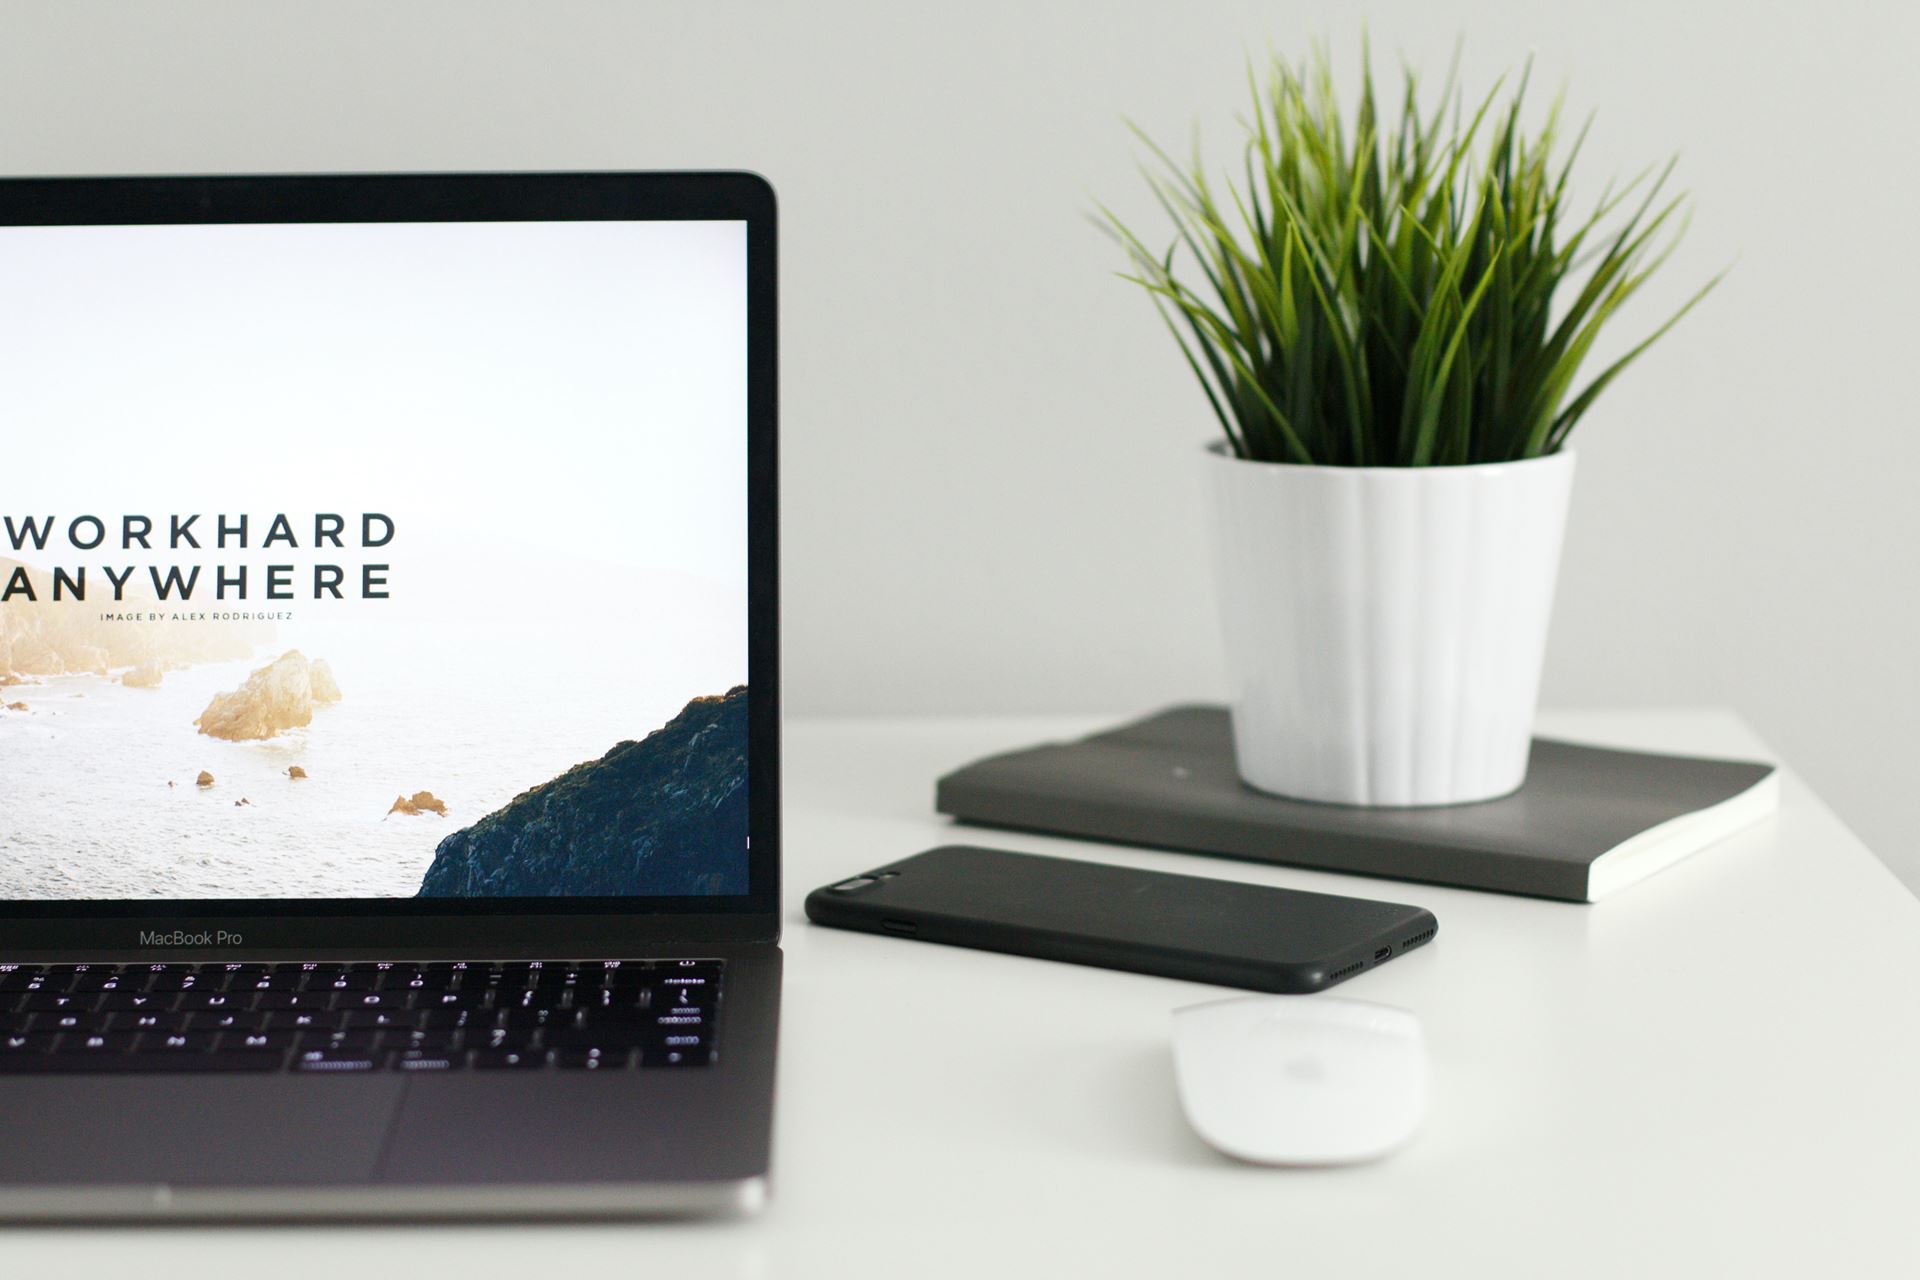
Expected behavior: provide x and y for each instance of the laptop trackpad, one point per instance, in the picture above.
(268, 1130)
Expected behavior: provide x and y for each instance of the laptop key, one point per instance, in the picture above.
(477, 998)
(372, 999)
(335, 1060)
(178, 982)
(288, 1001)
(508, 1059)
(682, 1042)
(38, 1063)
(177, 1042)
(98, 1041)
(591, 1059)
(427, 1060)
(664, 1057)
(155, 1022)
(219, 1061)
(108, 981)
(241, 1060)
(343, 982)
(618, 998)
(15, 979)
(425, 1041)
(265, 1041)
(598, 1037)
(362, 1041)
(126, 1063)
(137, 1001)
(672, 1025)
(276, 981)
(503, 1038)
(699, 977)
(358, 1019)
(207, 999)
(37, 982)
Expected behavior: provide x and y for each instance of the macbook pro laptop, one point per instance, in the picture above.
(389, 728)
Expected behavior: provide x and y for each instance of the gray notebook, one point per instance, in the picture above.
(1589, 820)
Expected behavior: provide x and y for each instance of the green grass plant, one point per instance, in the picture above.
(1409, 290)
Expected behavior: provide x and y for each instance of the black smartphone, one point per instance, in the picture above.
(1187, 927)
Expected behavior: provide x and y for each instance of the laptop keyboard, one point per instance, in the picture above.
(400, 1016)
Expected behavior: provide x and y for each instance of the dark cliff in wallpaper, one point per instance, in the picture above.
(665, 815)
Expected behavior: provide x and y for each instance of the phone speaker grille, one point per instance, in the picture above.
(1347, 972)
(1417, 939)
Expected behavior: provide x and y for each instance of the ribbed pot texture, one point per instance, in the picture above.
(1385, 626)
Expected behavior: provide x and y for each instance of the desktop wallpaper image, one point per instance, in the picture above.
(398, 561)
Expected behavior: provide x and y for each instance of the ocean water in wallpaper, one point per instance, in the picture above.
(99, 791)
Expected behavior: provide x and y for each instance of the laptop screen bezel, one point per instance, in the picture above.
(575, 926)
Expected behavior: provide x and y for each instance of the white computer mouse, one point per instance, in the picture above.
(1300, 1080)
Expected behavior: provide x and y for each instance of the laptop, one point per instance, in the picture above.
(389, 695)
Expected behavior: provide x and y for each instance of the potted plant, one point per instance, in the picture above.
(1388, 320)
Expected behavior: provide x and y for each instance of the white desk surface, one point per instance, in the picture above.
(1711, 1074)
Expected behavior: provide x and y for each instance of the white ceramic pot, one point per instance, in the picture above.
(1385, 626)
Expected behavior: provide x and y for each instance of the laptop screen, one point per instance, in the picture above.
(372, 560)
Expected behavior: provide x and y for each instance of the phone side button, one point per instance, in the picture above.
(907, 927)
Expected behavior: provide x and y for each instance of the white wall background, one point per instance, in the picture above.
(991, 502)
